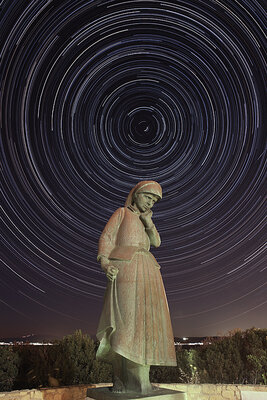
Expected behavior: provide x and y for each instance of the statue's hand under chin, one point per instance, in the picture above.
(146, 218)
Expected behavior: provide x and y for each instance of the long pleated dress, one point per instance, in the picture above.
(135, 320)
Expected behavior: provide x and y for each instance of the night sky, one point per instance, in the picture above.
(98, 95)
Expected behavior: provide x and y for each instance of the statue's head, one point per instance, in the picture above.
(144, 200)
(146, 193)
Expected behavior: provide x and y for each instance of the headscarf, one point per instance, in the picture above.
(144, 186)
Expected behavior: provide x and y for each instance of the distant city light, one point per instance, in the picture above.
(25, 344)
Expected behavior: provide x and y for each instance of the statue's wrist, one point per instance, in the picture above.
(104, 261)
(105, 267)
(150, 227)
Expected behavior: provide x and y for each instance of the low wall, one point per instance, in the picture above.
(218, 392)
(56, 393)
(194, 392)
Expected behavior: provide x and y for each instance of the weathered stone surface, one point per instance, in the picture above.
(209, 389)
(160, 394)
(230, 387)
(194, 389)
(256, 388)
(48, 395)
(22, 395)
(65, 393)
(253, 395)
(26, 395)
(180, 387)
(196, 396)
(217, 392)
(228, 394)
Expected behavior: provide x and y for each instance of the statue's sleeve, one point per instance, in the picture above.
(108, 237)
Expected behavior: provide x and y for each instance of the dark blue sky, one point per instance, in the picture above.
(98, 95)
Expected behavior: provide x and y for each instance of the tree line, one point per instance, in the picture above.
(239, 357)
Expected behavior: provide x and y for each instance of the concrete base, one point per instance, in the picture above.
(253, 395)
(158, 394)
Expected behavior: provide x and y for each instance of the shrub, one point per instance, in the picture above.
(101, 372)
(255, 355)
(238, 358)
(37, 363)
(76, 354)
(183, 372)
(9, 362)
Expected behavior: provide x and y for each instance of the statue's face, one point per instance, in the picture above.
(145, 201)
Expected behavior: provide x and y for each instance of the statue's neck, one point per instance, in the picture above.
(134, 209)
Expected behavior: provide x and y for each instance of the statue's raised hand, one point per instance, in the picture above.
(146, 218)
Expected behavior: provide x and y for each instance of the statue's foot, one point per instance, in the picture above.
(146, 389)
(140, 388)
(117, 390)
(118, 386)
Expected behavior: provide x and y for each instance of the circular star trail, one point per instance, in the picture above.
(97, 95)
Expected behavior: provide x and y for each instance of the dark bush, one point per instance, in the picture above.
(240, 357)
(67, 362)
(183, 372)
(9, 361)
(101, 372)
(37, 363)
(76, 354)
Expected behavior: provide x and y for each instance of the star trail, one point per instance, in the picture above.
(98, 95)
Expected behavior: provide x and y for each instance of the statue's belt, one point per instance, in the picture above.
(127, 253)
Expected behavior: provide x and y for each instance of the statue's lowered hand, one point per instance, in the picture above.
(111, 272)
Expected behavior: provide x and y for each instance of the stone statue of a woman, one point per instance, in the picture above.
(135, 328)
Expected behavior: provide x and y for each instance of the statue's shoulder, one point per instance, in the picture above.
(123, 212)
(119, 213)
(120, 210)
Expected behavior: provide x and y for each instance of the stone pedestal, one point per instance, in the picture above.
(245, 395)
(158, 394)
